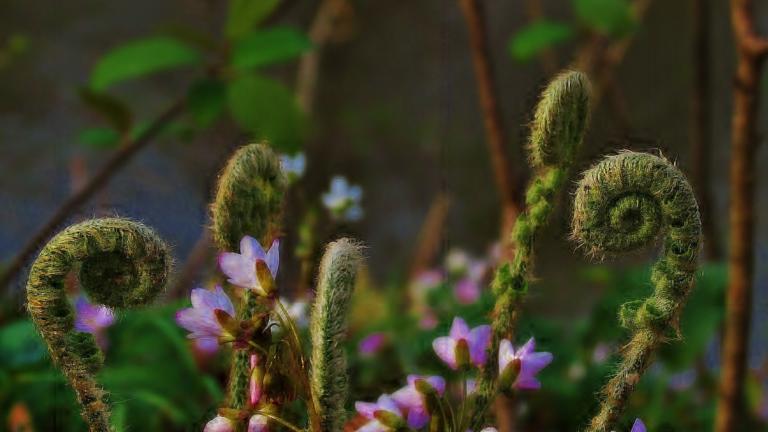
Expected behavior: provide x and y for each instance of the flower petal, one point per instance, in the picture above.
(240, 270)
(251, 248)
(528, 348)
(479, 339)
(506, 354)
(638, 426)
(418, 418)
(535, 362)
(273, 257)
(445, 348)
(459, 329)
(366, 409)
(258, 423)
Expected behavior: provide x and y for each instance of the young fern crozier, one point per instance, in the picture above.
(120, 264)
(557, 131)
(328, 329)
(627, 201)
(248, 201)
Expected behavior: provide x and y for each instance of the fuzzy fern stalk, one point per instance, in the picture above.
(120, 264)
(328, 328)
(623, 203)
(248, 201)
(557, 131)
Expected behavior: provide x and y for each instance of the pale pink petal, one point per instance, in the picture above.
(445, 348)
(258, 423)
(241, 271)
(219, 424)
(459, 329)
(273, 258)
(366, 409)
(251, 248)
(506, 354)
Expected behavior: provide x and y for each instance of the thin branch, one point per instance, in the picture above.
(430, 236)
(701, 141)
(752, 50)
(118, 160)
(507, 185)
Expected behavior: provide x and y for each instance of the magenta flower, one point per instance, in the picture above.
(383, 414)
(428, 320)
(92, 318)
(240, 268)
(638, 426)
(467, 289)
(371, 344)
(411, 401)
(519, 368)
(219, 424)
(258, 423)
(463, 346)
(201, 318)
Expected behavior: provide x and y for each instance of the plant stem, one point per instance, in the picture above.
(118, 160)
(507, 185)
(752, 51)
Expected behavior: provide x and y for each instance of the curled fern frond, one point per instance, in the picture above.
(625, 202)
(557, 131)
(121, 264)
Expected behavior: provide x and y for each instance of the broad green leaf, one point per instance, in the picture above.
(266, 109)
(245, 15)
(99, 137)
(264, 47)
(611, 17)
(20, 345)
(536, 37)
(111, 108)
(140, 58)
(206, 101)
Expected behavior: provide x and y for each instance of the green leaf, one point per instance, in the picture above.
(206, 101)
(266, 109)
(536, 37)
(264, 47)
(610, 17)
(244, 15)
(20, 345)
(99, 137)
(142, 57)
(111, 108)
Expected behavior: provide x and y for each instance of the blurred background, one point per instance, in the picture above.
(385, 94)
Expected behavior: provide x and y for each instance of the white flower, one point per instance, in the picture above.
(343, 200)
(293, 166)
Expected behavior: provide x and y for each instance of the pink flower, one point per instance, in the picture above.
(411, 401)
(384, 414)
(240, 268)
(93, 319)
(428, 321)
(258, 423)
(463, 346)
(519, 368)
(201, 318)
(219, 424)
(639, 426)
(466, 290)
(371, 344)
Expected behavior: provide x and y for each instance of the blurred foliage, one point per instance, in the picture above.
(224, 74)
(611, 18)
(150, 372)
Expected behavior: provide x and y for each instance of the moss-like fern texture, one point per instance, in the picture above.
(328, 328)
(627, 201)
(120, 264)
(248, 201)
(558, 128)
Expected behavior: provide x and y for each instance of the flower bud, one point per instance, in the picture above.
(390, 419)
(266, 282)
(462, 354)
(510, 373)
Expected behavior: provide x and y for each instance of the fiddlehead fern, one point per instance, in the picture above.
(557, 131)
(328, 328)
(625, 202)
(248, 201)
(120, 263)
